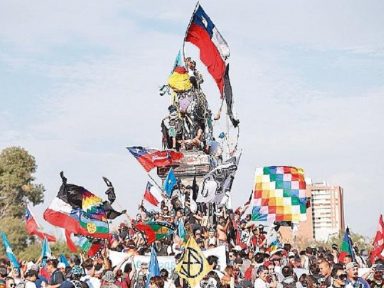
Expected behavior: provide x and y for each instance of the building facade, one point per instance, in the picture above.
(327, 207)
(325, 216)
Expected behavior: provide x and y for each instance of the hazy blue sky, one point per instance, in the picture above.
(79, 82)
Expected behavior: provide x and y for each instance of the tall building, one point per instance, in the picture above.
(327, 210)
(325, 216)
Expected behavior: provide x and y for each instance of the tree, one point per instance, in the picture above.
(17, 190)
(16, 182)
(14, 228)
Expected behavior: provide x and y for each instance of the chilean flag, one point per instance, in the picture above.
(151, 158)
(214, 51)
(33, 228)
(152, 195)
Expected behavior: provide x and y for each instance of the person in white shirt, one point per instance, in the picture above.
(30, 278)
(261, 281)
(168, 283)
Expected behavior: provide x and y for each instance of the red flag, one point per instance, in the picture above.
(147, 232)
(378, 243)
(72, 247)
(33, 228)
(151, 158)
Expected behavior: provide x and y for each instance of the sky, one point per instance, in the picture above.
(79, 82)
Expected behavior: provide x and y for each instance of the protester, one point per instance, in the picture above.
(339, 277)
(353, 279)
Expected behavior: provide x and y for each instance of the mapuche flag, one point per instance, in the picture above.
(66, 211)
(214, 52)
(346, 247)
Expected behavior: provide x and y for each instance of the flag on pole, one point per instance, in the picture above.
(181, 232)
(378, 242)
(153, 268)
(152, 194)
(178, 80)
(192, 265)
(8, 250)
(346, 247)
(32, 227)
(214, 52)
(279, 194)
(151, 158)
(67, 211)
(64, 260)
(161, 229)
(146, 231)
(170, 182)
(45, 251)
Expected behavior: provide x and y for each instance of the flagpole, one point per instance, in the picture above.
(189, 24)
(162, 190)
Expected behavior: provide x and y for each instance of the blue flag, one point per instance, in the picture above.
(154, 269)
(181, 232)
(170, 182)
(11, 256)
(45, 251)
(64, 260)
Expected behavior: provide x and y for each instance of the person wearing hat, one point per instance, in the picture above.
(171, 128)
(375, 276)
(74, 278)
(353, 279)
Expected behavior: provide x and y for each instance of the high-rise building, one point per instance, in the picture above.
(327, 210)
(325, 216)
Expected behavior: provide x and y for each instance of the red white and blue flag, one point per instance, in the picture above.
(33, 228)
(151, 158)
(152, 195)
(214, 51)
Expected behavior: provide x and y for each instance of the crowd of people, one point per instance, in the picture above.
(250, 259)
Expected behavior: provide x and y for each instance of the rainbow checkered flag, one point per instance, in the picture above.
(279, 194)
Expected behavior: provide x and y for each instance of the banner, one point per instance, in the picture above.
(167, 262)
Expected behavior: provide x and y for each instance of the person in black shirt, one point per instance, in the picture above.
(57, 277)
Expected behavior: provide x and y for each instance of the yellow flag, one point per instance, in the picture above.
(192, 265)
(179, 82)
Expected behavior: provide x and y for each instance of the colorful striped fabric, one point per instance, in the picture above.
(279, 194)
(93, 206)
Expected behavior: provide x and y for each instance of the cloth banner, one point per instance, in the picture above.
(167, 262)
